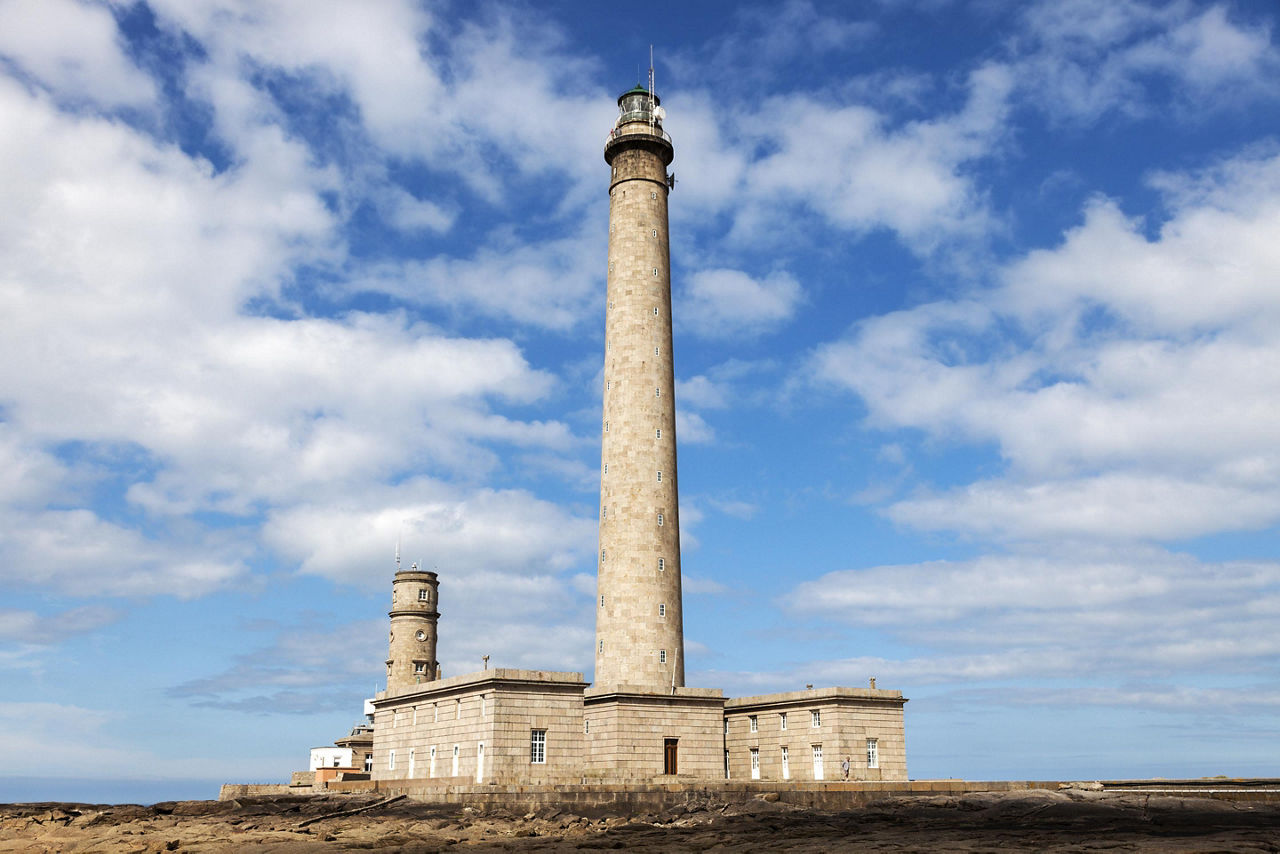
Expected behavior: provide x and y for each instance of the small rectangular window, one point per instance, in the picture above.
(457, 710)
(662, 564)
(602, 646)
(662, 656)
(391, 761)
(755, 763)
(659, 477)
(606, 426)
(419, 667)
(602, 555)
(538, 746)
(662, 610)
(658, 434)
(782, 721)
(586, 727)
(655, 351)
(657, 392)
(422, 595)
(753, 723)
(602, 600)
(659, 520)
(655, 308)
(815, 718)
(873, 753)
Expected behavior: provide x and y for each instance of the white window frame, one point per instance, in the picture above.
(818, 770)
(753, 723)
(662, 564)
(782, 721)
(815, 718)
(537, 747)
(786, 764)
(662, 609)
(873, 753)
(422, 595)
(755, 763)
(662, 656)
(659, 520)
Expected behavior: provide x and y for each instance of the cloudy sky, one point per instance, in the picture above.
(977, 343)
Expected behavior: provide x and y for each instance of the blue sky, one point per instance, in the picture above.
(977, 348)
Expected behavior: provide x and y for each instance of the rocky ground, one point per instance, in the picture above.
(1076, 821)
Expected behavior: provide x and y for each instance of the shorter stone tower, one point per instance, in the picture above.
(411, 653)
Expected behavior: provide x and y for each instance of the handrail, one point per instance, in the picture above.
(657, 132)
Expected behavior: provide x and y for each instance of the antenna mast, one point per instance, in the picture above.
(652, 118)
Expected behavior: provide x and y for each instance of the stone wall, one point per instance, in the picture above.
(627, 731)
(486, 721)
(846, 719)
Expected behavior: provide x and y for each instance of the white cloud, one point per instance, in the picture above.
(693, 429)
(701, 392)
(1124, 378)
(721, 303)
(77, 742)
(73, 48)
(552, 284)
(1084, 58)
(1026, 614)
(462, 531)
(28, 627)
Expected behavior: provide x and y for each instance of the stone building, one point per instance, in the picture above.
(637, 721)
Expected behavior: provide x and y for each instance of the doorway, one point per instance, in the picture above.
(670, 756)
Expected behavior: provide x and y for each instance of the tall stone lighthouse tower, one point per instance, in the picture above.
(411, 647)
(639, 622)
(640, 720)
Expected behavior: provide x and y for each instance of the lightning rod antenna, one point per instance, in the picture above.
(651, 112)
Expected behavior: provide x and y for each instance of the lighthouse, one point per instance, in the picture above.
(639, 619)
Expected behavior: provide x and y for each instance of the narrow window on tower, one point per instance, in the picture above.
(662, 610)
(602, 646)
(659, 433)
(659, 520)
(662, 656)
(655, 273)
(602, 601)
(606, 468)
(655, 232)
(602, 555)
(606, 426)
(655, 308)
(659, 477)
(655, 351)
(657, 392)
(609, 385)
(662, 564)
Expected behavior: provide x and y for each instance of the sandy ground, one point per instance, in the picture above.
(1077, 821)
